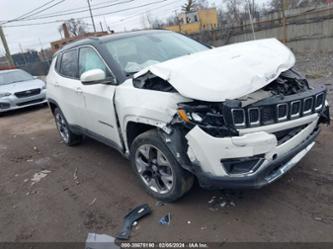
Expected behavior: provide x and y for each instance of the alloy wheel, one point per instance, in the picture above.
(62, 127)
(154, 169)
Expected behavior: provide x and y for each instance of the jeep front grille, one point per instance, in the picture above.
(283, 110)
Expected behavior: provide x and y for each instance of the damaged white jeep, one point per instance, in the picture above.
(237, 116)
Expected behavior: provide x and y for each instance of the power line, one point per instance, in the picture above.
(77, 11)
(143, 12)
(85, 17)
(81, 9)
(40, 11)
(31, 11)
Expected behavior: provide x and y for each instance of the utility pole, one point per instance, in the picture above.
(5, 45)
(91, 15)
(178, 22)
(285, 4)
(251, 20)
(100, 23)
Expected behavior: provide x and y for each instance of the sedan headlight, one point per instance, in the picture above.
(2, 95)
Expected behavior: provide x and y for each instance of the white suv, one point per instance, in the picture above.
(234, 116)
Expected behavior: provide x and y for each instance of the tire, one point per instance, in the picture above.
(157, 168)
(67, 136)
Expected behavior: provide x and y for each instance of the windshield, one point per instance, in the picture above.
(14, 76)
(137, 52)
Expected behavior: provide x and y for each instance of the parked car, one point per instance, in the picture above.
(237, 116)
(19, 89)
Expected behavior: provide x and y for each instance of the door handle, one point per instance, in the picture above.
(78, 90)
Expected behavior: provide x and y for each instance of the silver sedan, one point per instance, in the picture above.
(19, 89)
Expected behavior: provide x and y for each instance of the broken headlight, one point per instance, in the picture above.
(189, 117)
(208, 116)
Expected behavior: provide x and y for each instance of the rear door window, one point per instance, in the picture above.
(69, 64)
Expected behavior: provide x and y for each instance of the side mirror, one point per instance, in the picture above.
(94, 76)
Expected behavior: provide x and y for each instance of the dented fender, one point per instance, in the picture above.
(144, 106)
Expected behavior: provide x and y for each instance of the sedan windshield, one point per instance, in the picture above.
(14, 76)
(137, 52)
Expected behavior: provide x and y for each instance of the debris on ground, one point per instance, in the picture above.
(188, 222)
(100, 241)
(75, 177)
(92, 202)
(318, 218)
(134, 215)
(159, 204)
(165, 220)
(214, 204)
(39, 176)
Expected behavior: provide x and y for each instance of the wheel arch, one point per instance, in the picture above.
(52, 105)
(134, 129)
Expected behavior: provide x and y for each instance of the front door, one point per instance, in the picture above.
(100, 111)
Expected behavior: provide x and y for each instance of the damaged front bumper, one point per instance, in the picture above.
(251, 160)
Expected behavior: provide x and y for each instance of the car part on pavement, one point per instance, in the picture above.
(134, 215)
(100, 241)
(165, 220)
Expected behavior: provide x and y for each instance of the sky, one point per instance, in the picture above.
(40, 36)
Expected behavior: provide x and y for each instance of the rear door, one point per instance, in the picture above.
(100, 112)
(71, 99)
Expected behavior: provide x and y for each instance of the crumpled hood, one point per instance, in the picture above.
(228, 72)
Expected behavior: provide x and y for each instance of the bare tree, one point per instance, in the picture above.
(276, 5)
(233, 11)
(190, 6)
(75, 27)
(202, 4)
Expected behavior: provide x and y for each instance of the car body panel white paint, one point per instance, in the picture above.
(145, 106)
(226, 72)
(208, 151)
